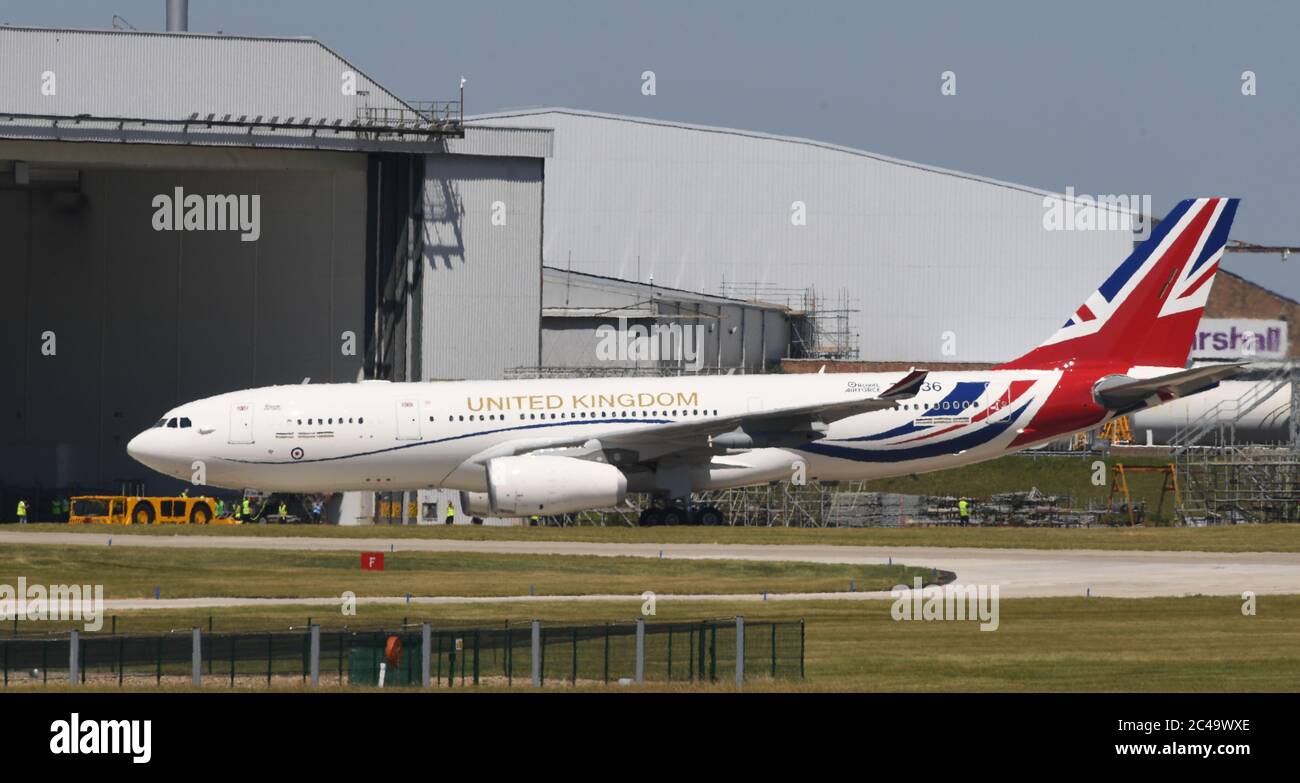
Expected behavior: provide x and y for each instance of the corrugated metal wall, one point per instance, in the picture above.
(145, 319)
(919, 251)
(166, 76)
(731, 335)
(481, 275)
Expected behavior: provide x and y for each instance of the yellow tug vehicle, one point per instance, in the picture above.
(120, 510)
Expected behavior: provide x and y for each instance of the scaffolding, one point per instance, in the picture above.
(821, 326)
(1225, 481)
(1135, 513)
(851, 504)
(661, 370)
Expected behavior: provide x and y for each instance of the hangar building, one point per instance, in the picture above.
(119, 306)
(918, 251)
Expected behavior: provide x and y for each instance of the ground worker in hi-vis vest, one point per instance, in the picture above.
(963, 511)
(22, 512)
(451, 513)
(248, 509)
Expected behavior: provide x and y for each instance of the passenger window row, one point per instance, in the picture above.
(341, 420)
(940, 406)
(584, 415)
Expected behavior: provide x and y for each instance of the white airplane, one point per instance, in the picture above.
(545, 447)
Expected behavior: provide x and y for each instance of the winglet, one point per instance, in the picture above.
(907, 387)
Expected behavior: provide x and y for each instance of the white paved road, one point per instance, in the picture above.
(1017, 572)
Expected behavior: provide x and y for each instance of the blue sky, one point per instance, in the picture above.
(1106, 97)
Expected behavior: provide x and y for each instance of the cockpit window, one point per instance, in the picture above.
(171, 423)
(161, 423)
(185, 422)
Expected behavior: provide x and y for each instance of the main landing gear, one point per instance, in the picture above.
(680, 515)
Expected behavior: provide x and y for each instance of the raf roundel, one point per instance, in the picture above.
(296, 453)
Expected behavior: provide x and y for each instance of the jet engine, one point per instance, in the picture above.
(522, 486)
(476, 504)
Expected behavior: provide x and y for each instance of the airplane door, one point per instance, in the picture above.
(408, 420)
(1001, 407)
(241, 422)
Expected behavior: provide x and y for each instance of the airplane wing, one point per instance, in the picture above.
(774, 426)
(1121, 393)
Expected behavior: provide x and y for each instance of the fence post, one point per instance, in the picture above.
(196, 657)
(537, 654)
(670, 653)
(713, 652)
(74, 647)
(426, 653)
(640, 650)
(740, 650)
(774, 651)
(476, 657)
(801, 648)
(315, 656)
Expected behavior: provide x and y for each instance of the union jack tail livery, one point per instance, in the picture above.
(1146, 312)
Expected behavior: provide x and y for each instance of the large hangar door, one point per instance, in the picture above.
(482, 266)
(142, 317)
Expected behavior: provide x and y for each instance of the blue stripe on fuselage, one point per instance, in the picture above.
(964, 391)
(936, 449)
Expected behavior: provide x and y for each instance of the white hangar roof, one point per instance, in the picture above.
(920, 251)
(191, 88)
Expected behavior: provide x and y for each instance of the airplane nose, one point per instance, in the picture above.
(133, 449)
(145, 449)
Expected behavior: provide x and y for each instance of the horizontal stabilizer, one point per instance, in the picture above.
(1120, 392)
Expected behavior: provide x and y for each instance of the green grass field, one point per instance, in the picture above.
(1053, 475)
(1049, 644)
(1233, 538)
(184, 573)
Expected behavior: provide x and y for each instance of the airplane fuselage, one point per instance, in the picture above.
(377, 435)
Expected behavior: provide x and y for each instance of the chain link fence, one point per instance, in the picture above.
(416, 655)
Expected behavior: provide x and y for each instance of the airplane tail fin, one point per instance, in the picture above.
(1147, 311)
